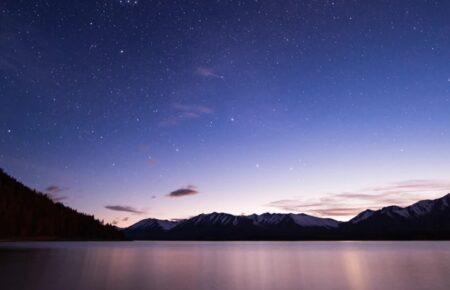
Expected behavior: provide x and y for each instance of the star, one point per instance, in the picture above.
(157, 82)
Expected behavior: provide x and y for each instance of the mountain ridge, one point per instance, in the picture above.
(425, 219)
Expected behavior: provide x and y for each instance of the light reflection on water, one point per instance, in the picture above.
(225, 265)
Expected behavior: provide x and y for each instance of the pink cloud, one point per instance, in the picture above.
(348, 204)
(186, 112)
(190, 190)
(208, 72)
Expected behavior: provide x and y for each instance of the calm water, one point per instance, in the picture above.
(225, 265)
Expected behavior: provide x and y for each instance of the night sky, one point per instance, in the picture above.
(134, 109)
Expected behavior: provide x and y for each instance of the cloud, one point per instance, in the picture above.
(417, 185)
(196, 109)
(208, 73)
(339, 212)
(125, 209)
(53, 189)
(52, 192)
(185, 112)
(190, 190)
(117, 221)
(349, 204)
(57, 198)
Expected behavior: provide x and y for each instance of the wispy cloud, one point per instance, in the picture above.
(208, 72)
(125, 208)
(190, 190)
(53, 191)
(185, 112)
(348, 204)
(117, 221)
(57, 198)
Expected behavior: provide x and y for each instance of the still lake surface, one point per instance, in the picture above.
(224, 265)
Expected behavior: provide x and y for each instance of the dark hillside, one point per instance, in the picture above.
(28, 214)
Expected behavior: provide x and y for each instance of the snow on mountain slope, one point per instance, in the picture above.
(223, 225)
(150, 223)
(415, 210)
(305, 220)
(301, 219)
(421, 207)
(362, 216)
(267, 218)
(214, 219)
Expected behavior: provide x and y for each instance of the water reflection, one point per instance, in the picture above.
(227, 265)
(353, 270)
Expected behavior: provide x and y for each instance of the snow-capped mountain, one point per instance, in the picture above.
(258, 226)
(149, 229)
(414, 211)
(305, 220)
(362, 216)
(302, 220)
(421, 220)
(424, 219)
(154, 223)
(226, 226)
(220, 219)
(265, 219)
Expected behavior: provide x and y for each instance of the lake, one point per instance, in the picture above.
(224, 265)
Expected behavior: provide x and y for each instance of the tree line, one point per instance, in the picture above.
(29, 214)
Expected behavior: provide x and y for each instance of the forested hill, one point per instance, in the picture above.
(26, 214)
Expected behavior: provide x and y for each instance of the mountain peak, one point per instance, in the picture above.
(152, 223)
(446, 197)
(305, 220)
(214, 218)
(415, 210)
(426, 218)
(362, 216)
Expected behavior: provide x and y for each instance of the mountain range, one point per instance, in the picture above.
(29, 214)
(426, 219)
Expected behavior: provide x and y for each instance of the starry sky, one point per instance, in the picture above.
(168, 109)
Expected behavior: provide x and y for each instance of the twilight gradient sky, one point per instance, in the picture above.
(134, 109)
